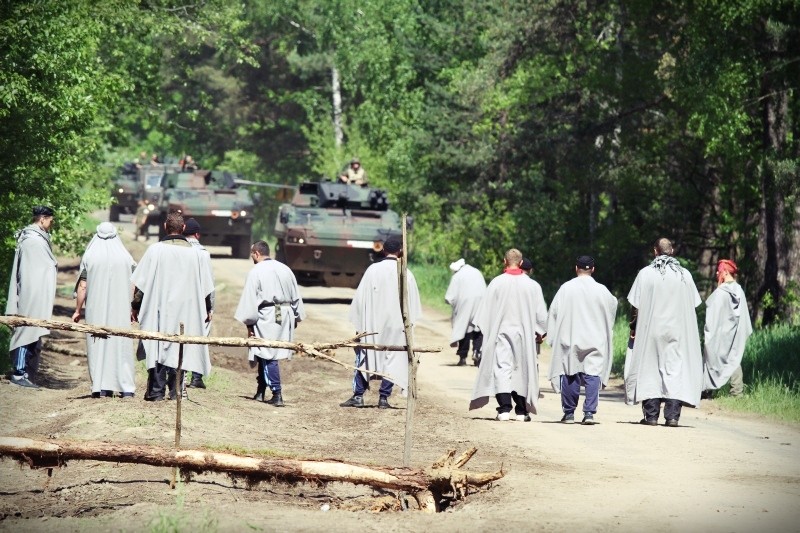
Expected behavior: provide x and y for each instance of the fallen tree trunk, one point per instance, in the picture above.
(443, 477)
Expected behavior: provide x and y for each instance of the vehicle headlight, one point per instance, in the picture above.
(243, 213)
(120, 190)
(151, 207)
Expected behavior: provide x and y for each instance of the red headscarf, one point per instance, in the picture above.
(725, 266)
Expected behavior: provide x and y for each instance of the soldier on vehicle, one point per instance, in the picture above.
(188, 164)
(355, 174)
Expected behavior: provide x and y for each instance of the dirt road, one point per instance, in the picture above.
(717, 472)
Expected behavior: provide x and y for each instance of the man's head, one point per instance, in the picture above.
(43, 217)
(584, 265)
(393, 246)
(355, 163)
(174, 224)
(192, 228)
(259, 251)
(663, 246)
(526, 265)
(726, 270)
(513, 258)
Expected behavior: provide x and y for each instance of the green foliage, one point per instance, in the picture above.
(432, 282)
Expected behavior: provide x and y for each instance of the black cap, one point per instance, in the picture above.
(192, 227)
(584, 262)
(526, 264)
(43, 210)
(392, 245)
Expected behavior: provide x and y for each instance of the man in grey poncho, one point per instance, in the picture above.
(172, 287)
(727, 330)
(31, 292)
(579, 327)
(104, 286)
(665, 363)
(270, 307)
(192, 233)
(464, 294)
(513, 319)
(376, 309)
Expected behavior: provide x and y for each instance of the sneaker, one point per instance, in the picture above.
(354, 401)
(502, 417)
(588, 420)
(383, 403)
(476, 358)
(127, 395)
(648, 422)
(523, 418)
(23, 381)
(568, 418)
(671, 423)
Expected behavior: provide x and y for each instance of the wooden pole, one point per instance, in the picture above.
(412, 359)
(178, 397)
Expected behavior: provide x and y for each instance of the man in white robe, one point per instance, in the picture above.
(31, 292)
(270, 307)
(104, 286)
(579, 328)
(726, 332)
(464, 294)
(665, 364)
(376, 309)
(192, 234)
(513, 319)
(172, 287)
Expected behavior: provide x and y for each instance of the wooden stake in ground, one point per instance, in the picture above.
(178, 397)
(445, 478)
(411, 404)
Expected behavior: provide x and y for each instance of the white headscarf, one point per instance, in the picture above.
(456, 265)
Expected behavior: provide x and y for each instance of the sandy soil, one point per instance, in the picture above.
(717, 472)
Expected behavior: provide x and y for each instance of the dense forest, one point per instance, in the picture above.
(560, 127)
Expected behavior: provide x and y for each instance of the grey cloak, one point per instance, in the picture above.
(376, 309)
(108, 268)
(175, 285)
(32, 288)
(666, 361)
(727, 329)
(205, 257)
(464, 294)
(270, 284)
(511, 313)
(579, 328)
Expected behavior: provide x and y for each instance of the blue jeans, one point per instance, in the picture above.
(269, 374)
(360, 385)
(571, 389)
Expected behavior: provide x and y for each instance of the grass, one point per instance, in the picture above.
(432, 282)
(179, 519)
(771, 370)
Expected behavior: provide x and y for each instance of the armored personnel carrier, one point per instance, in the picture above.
(331, 232)
(125, 191)
(224, 211)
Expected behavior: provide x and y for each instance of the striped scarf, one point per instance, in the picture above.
(662, 262)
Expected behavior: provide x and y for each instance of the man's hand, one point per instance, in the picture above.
(76, 316)
(250, 331)
(208, 317)
(540, 338)
(134, 315)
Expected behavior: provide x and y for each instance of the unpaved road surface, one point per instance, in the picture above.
(717, 472)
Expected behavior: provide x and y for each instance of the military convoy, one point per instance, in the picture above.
(331, 232)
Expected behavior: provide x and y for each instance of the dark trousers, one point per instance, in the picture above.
(26, 359)
(159, 379)
(360, 384)
(463, 345)
(269, 375)
(571, 389)
(652, 407)
(504, 403)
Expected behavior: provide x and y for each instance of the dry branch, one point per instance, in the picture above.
(426, 486)
(314, 349)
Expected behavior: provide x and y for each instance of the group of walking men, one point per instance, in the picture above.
(505, 322)
(664, 361)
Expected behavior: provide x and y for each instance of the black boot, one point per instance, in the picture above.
(462, 360)
(276, 400)
(476, 358)
(197, 382)
(383, 403)
(259, 397)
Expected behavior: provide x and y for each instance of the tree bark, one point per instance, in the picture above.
(444, 476)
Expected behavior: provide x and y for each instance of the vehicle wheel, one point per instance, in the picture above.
(242, 248)
(113, 213)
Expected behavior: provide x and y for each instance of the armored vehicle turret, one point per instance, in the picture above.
(224, 211)
(332, 231)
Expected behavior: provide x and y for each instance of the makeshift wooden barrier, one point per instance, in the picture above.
(428, 487)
